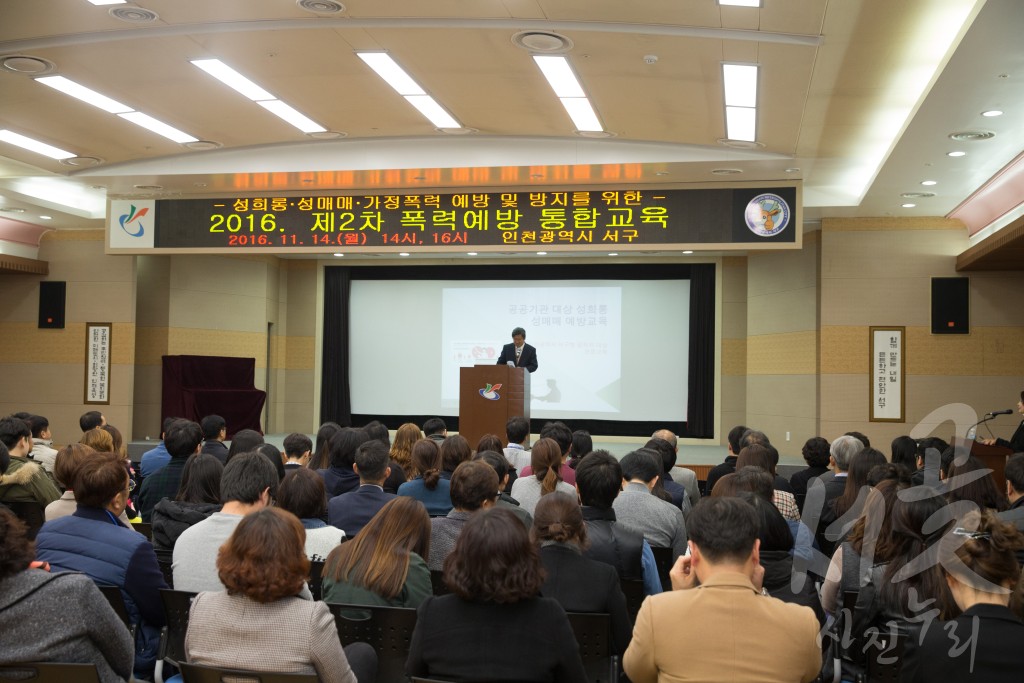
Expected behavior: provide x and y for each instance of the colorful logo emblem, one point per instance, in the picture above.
(767, 214)
(490, 392)
(133, 216)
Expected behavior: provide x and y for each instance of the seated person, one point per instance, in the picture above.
(68, 460)
(578, 583)
(127, 559)
(544, 477)
(263, 567)
(427, 484)
(474, 488)
(198, 497)
(384, 564)
(501, 468)
(351, 511)
(302, 493)
(339, 477)
(35, 620)
(638, 509)
(494, 574)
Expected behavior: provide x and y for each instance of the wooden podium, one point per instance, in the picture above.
(994, 457)
(486, 412)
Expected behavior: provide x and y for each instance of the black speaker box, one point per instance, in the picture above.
(951, 305)
(52, 295)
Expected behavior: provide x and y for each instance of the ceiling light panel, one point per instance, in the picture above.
(288, 113)
(231, 78)
(87, 95)
(567, 87)
(741, 123)
(36, 146)
(739, 85)
(100, 3)
(434, 112)
(739, 3)
(404, 84)
(159, 127)
(581, 113)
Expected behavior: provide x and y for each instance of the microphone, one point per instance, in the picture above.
(1001, 412)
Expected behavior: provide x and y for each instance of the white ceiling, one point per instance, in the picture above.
(856, 98)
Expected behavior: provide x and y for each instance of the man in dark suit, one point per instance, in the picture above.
(521, 354)
(351, 511)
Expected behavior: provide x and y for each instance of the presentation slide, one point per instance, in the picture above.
(610, 350)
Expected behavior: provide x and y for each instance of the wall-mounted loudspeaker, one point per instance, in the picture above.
(52, 296)
(951, 305)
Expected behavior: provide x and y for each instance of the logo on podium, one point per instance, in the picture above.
(490, 392)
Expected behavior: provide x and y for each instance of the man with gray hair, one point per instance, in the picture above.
(840, 453)
(684, 476)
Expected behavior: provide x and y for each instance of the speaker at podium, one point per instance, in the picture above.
(488, 396)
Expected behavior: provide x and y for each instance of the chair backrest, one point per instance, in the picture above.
(176, 607)
(194, 673)
(633, 589)
(437, 582)
(144, 528)
(116, 600)
(316, 579)
(165, 558)
(593, 635)
(388, 630)
(49, 672)
(663, 558)
(33, 514)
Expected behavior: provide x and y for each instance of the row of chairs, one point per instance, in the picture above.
(389, 631)
(883, 658)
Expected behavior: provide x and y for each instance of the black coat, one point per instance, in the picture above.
(998, 656)
(581, 584)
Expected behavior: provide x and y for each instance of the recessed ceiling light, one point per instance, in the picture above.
(471, 253)
(613, 253)
(11, 209)
(46, 218)
(542, 253)
(956, 154)
(339, 255)
(661, 173)
(536, 175)
(917, 195)
(929, 183)
(991, 113)
(908, 206)
(404, 253)
(688, 251)
(725, 171)
(36, 146)
(148, 187)
(793, 169)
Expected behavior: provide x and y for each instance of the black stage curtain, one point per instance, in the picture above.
(700, 419)
(335, 398)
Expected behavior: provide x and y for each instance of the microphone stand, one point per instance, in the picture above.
(973, 431)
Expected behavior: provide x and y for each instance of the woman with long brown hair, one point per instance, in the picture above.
(384, 564)
(401, 450)
(545, 459)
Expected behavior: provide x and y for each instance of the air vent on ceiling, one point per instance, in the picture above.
(544, 42)
(321, 6)
(11, 209)
(740, 144)
(134, 15)
(203, 144)
(971, 135)
(82, 162)
(917, 195)
(726, 171)
(24, 64)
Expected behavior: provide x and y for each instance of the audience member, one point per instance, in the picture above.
(505, 500)
(860, 437)
(474, 487)
(726, 630)
(729, 465)
(69, 459)
(43, 451)
(494, 574)
(904, 452)
(401, 449)
(982, 582)
(667, 456)
(491, 442)
(157, 458)
(298, 448)
(759, 455)
(98, 439)
(435, 429)
(127, 559)
(840, 453)
(302, 493)
(273, 454)
(544, 477)
(561, 435)
(578, 583)
(183, 438)
(1014, 474)
(582, 445)
(427, 484)
(636, 508)
(339, 477)
(215, 431)
(91, 420)
(384, 564)
(756, 480)
(598, 483)
(249, 483)
(197, 498)
(245, 441)
(847, 507)
(455, 450)
(816, 455)
(55, 617)
(321, 458)
(517, 431)
(263, 568)
(972, 481)
(929, 454)
(351, 511)
(378, 431)
(24, 481)
(685, 476)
